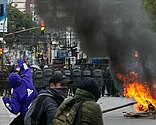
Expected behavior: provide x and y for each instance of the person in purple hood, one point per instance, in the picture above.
(23, 93)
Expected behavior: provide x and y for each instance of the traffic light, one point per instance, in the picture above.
(136, 54)
(42, 28)
(1, 51)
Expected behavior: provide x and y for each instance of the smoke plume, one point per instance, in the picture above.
(113, 28)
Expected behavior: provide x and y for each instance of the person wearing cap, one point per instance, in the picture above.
(44, 107)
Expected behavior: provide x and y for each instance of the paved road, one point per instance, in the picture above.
(116, 117)
(110, 118)
(5, 116)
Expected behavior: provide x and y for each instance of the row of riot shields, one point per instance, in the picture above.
(103, 78)
(41, 78)
(78, 75)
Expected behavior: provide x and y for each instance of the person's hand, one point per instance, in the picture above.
(5, 99)
(20, 62)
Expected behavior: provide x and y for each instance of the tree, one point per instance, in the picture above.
(150, 6)
(17, 21)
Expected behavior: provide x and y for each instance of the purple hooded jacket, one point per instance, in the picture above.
(23, 91)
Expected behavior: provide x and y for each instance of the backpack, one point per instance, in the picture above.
(69, 112)
(32, 113)
(36, 110)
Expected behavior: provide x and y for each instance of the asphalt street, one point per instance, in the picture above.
(110, 118)
(116, 117)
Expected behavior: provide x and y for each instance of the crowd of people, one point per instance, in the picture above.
(44, 107)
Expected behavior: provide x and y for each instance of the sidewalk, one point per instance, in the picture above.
(5, 116)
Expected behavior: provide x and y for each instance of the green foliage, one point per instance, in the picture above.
(150, 6)
(18, 20)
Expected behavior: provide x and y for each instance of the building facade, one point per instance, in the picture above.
(22, 5)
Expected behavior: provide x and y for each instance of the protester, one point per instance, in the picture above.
(22, 95)
(44, 107)
(110, 84)
(87, 111)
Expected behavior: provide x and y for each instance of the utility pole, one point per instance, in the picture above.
(20, 31)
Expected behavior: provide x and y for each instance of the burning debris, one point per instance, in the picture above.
(145, 103)
(141, 92)
(149, 115)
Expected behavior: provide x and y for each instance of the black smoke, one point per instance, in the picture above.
(113, 28)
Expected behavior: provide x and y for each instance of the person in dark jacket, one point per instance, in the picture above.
(89, 92)
(83, 107)
(23, 93)
(44, 107)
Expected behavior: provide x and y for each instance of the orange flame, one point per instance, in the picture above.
(133, 88)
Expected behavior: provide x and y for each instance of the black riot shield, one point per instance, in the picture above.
(76, 77)
(98, 75)
(38, 80)
(47, 73)
(86, 73)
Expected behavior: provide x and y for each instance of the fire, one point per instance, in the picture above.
(133, 88)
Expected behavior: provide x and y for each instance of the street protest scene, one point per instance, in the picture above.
(77, 62)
